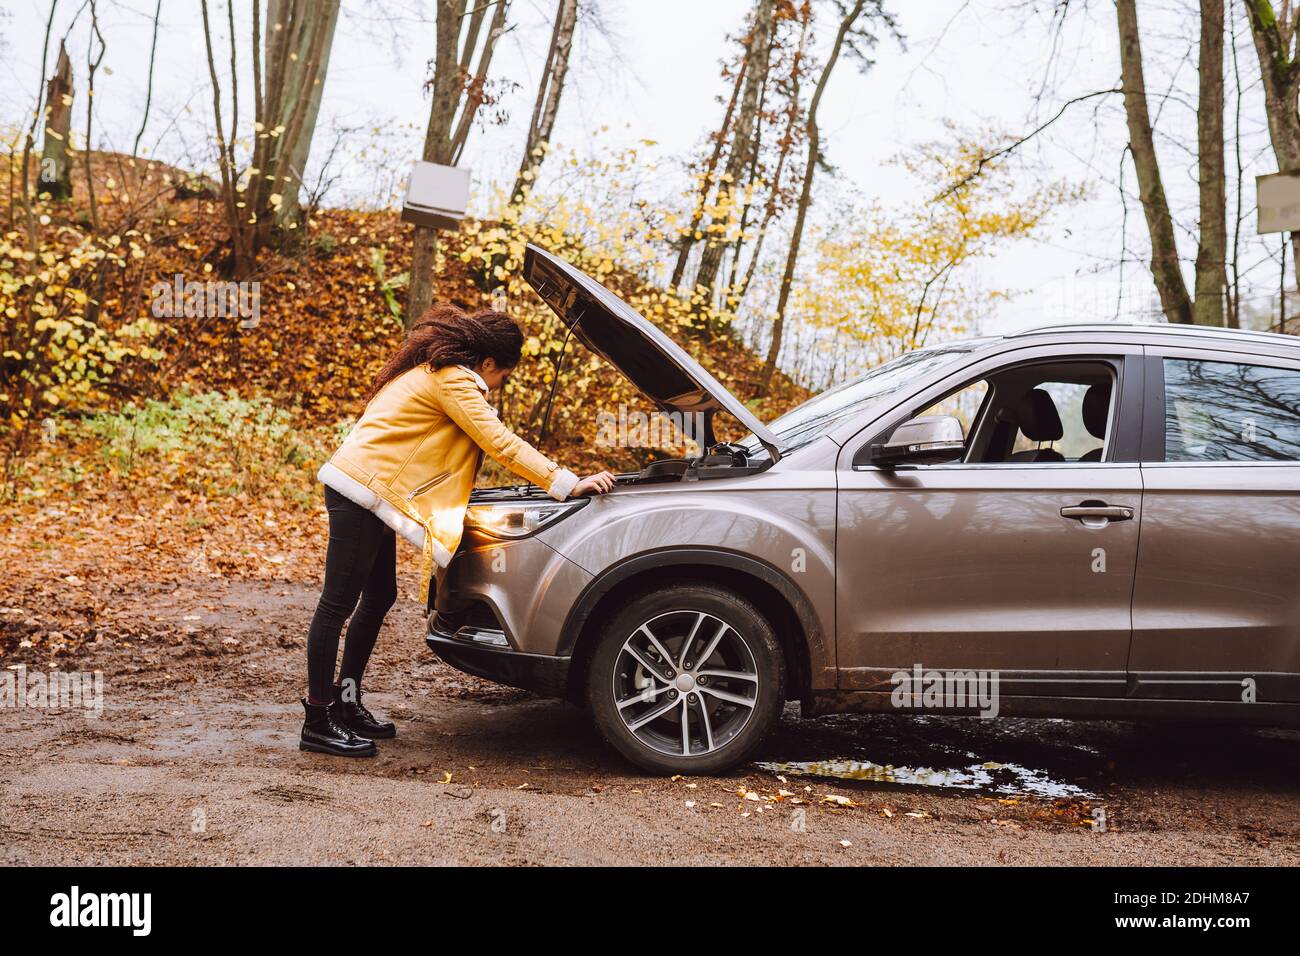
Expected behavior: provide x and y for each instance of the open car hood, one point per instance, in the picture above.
(654, 363)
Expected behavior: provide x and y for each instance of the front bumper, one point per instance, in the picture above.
(485, 653)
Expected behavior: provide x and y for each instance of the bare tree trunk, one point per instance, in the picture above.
(56, 166)
(805, 198)
(1280, 77)
(549, 90)
(437, 145)
(1165, 270)
(1234, 310)
(92, 66)
(295, 46)
(1211, 254)
(33, 229)
(148, 93)
(457, 95)
(475, 93)
(743, 142)
(793, 114)
(293, 66)
(540, 126)
(706, 183)
(312, 87)
(93, 59)
(751, 173)
(225, 146)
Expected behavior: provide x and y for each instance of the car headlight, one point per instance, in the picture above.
(519, 519)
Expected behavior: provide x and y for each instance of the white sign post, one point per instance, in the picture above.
(436, 196)
(1278, 200)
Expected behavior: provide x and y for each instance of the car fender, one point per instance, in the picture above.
(785, 540)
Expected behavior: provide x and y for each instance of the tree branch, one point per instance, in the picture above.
(1013, 146)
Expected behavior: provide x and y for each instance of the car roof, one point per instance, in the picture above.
(1247, 339)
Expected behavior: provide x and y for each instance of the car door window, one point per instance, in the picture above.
(1075, 441)
(1035, 414)
(963, 405)
(1225, 411)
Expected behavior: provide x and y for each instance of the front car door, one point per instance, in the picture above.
(987, 564)
(1216, 607)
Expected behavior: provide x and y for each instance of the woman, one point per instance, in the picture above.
(408, 467)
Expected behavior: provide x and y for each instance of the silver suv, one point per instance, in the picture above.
(1104, 520)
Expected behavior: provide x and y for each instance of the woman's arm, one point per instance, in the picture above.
(466, 406)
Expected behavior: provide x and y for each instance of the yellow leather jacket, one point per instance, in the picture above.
(413, 457)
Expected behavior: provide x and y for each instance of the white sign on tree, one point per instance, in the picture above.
(1278, 199)
(436, 196)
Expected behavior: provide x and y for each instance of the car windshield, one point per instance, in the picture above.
(823, 412)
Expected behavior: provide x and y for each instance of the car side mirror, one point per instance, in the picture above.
(925, 440)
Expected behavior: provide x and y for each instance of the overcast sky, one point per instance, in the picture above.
(653, 74)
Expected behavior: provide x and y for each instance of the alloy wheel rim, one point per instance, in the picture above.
(685, 683)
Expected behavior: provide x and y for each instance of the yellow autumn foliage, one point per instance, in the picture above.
(885, 279)
(55, 354)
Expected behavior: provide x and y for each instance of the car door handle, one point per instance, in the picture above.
(1110, 512)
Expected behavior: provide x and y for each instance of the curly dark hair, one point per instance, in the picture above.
(447, 335)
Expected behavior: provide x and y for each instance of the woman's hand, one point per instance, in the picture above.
(597, 484)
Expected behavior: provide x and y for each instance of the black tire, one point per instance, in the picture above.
(615, 675)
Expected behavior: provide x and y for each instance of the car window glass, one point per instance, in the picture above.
(1005, 424)
(963, 405)
(1224, 411)
(820, 414)
(1075, 440)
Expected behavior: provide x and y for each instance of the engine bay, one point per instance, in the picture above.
(723, 460)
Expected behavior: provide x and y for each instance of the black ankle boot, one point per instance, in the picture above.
(354, 716)
(324, 733)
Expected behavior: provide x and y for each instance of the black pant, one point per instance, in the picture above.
(361, 563)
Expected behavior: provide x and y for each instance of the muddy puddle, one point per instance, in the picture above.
(990, 776)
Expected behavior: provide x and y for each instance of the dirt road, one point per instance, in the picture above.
(194, 761)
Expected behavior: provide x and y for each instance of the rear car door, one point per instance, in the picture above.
(989, 563)
(1216, 604)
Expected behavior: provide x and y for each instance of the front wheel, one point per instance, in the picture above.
(689, 679)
